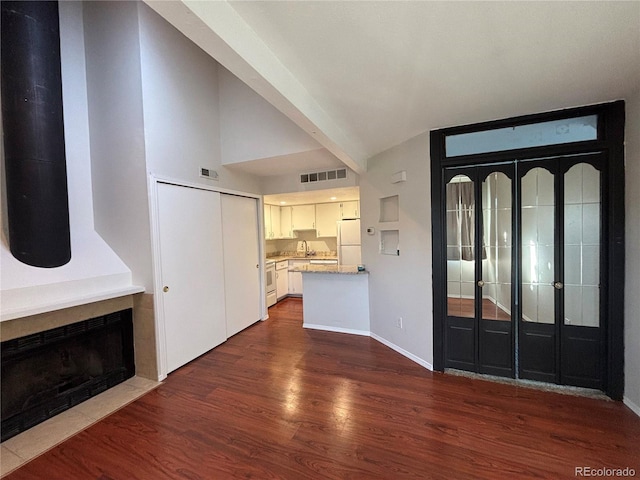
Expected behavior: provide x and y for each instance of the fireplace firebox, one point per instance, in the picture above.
(49, 372)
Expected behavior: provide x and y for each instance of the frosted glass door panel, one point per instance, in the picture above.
(496, 264)
(523, 136)
(460, 212)
(582, 246)
(538, 246)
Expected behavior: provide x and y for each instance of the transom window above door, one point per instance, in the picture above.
(554, 132)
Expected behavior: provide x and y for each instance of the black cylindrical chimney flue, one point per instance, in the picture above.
(35, 166)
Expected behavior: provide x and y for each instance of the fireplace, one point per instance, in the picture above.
(46, 373)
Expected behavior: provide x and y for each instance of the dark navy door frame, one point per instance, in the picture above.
(609, 143)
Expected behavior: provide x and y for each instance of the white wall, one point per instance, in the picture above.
(348, 308)
(181, 106)
(251, 128)
(400, 286)
(94, 267)
(153, 108)
(76, 116)
(632, 263)
(74, 88)
(117, 133)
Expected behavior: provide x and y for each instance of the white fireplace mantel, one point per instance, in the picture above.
(95, 273)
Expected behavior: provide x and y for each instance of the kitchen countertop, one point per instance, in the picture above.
(336, 269)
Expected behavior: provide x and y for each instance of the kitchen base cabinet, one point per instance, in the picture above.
(295, 283)
(282, 279)
(295, 278)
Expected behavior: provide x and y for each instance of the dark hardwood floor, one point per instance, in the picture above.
(280, 402)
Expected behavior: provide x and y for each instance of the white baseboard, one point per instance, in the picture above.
(403, 352)
(392, 346)
(635, 408)
(335, 329)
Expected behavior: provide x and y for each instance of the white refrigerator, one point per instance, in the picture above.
(349, 242)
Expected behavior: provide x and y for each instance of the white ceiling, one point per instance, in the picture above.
(303, 162)
(362, 76)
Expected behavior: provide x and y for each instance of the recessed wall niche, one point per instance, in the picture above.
(390, 242)
(389, 209)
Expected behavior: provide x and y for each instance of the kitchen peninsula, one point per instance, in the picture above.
(336, 298)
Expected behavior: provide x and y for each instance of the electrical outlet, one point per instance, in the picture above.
(399, 322)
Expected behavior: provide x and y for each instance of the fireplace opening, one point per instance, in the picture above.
(49, 372)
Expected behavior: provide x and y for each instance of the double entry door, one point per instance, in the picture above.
(525, 265)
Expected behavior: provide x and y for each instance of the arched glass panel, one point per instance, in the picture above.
(582, 237)
(460, 247)
(538, 219)
(496, 262)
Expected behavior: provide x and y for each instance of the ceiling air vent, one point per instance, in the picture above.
(323, 176)
(208, 173)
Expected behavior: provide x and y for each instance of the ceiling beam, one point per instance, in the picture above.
(220, 31)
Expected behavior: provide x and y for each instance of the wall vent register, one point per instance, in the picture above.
(208, 173)
(323, 176)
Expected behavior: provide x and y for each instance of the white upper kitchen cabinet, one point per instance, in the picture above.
(275, 221)
(267, 222)
(285, 222)
(327, 216)
(349, 210)
(271, 222)
(303, 217)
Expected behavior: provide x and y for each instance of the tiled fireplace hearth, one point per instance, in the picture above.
(80, 322)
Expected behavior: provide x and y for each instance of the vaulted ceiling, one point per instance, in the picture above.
(361, 77)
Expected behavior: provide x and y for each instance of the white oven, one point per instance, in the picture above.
(271, 283)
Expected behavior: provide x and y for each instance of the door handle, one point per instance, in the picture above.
(165, 289)
(558, 285)
(481, 283)
(257, 265)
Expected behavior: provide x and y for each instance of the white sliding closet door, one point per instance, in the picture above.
(190, 228)
(241, 242)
